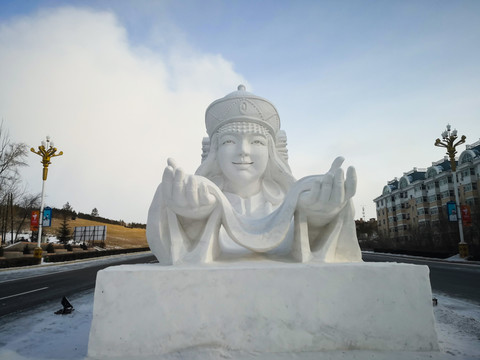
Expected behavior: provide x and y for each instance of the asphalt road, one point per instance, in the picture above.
(457, 280)
(24, 290)
(50, 285)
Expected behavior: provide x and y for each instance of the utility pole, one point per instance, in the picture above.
(46, 150)
(449, 143)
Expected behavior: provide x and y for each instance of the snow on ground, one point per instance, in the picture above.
(458, 327)
(40, 334)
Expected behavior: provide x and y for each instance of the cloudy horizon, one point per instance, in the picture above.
(120, 86)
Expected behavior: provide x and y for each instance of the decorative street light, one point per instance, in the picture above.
(46, 150)
(449, 143)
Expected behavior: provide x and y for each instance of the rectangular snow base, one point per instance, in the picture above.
(150, 310)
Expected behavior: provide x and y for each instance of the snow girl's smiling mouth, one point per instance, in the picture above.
(242, 163)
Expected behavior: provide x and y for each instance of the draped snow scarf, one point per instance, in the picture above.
(181, 240)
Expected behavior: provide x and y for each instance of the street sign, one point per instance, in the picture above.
(47, 217)
(34, 220)
(452, 211)
(466, 215)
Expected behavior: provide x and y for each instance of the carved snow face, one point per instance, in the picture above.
(243, 158)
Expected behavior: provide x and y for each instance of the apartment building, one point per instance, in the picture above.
(420, 196)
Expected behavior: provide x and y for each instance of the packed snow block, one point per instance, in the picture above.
(150, 310)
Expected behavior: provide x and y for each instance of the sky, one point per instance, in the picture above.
(120, 86)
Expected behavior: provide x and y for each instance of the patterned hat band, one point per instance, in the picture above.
(243, 127)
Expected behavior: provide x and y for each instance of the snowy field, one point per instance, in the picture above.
(40, 334)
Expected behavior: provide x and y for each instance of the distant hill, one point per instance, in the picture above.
(117, 235)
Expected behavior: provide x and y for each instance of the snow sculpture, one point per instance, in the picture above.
(243, 201)
(244, 204)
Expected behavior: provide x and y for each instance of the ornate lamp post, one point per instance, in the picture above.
(46, 150)
(449, 143)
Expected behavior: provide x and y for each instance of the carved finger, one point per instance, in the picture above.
(171, 162)
(338, 190)
(350, 183)
(326, 189)
(191, 192)
(167, 182)
(336, 164)
(178, 186)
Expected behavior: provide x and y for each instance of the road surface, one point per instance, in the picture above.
(26, 289)
(20, 290)
(454, 279)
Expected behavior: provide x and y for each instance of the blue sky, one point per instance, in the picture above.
(123, 85)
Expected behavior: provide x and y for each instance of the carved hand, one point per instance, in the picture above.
(186, 195)
(329, 193)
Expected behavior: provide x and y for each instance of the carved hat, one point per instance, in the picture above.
(242, 106)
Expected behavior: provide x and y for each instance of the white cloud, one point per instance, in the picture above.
(116, 111)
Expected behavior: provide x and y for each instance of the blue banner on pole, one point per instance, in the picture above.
(47, 217)
(452, 211)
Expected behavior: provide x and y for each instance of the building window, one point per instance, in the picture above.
(447, 194)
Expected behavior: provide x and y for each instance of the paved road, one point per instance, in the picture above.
(23, 289)
(453, 279)
(20, 290)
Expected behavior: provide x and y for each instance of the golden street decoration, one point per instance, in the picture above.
(449, 137)
(46, 151)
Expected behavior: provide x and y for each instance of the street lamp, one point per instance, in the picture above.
(449, 136)
(46, 150)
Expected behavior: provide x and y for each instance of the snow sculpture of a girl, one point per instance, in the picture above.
(243, 202)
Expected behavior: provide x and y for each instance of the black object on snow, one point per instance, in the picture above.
(67, 307)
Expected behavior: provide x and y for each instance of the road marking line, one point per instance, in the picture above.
(26, 292)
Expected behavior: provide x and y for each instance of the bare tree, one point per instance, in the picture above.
(12, 157)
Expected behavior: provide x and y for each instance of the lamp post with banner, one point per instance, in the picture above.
(449, 141)
(46, 150)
